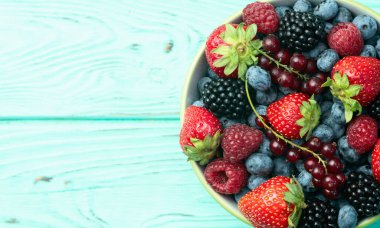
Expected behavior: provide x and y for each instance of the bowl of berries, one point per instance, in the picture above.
(280, 114)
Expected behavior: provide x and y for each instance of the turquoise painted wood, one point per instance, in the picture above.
(89, 97)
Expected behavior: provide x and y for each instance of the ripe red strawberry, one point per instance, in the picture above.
(294, 115)
(362, 134)
(230, 49)
(263, 15)
(346, 39)
(239, 141)
(376, 161)
(226, 177)
(200, 134)
(356, 82)
(277, 203)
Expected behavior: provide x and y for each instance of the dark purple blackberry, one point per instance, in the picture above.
(374, 109)
(318, 214)
(301, 31)
(226, 97)
(363, 193)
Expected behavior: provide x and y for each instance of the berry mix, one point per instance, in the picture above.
(289, 115)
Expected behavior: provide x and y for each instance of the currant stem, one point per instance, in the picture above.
(289, 69)
(278, 135)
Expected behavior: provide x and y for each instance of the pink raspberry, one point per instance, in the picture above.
(239, 141)
(263, 15)
(362, 134)
(346, 39)
(226, 177)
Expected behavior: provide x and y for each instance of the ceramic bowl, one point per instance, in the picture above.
(199, 68)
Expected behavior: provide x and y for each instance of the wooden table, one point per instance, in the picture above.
(89, 120)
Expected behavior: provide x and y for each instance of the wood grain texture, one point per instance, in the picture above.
(89, 97)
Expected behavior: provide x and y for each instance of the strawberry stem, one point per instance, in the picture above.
(278, 135)
(278, 64)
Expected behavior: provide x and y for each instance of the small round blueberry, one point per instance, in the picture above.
(227, 122)
(346, 152)
(302, 6)
(378, 48)
(369, 51)
(202, 83)
(258, 78)
(262, 110)
(373, 41)
(211, 74)
(199, 103)
(282, 167)
(304, 178)
(366, 169)
(337, 113)
(240, 194)
(327, 59)
(285, 90)
(282, 10)
(326, 9)
(326, 108)
(328, 27)
(300, 166)
(259, 164)
(264, 147)
(314, 53)
(324, 133)
(266, 97)
(344, 15)
(367, 26)
(255, 181)
(347, 217)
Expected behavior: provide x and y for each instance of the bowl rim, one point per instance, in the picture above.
(197, 170)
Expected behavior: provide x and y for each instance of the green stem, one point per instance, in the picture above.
(278, 135)
(287, 68)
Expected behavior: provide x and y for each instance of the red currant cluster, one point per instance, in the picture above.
(297, 62)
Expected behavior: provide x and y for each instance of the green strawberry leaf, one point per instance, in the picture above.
(311, 113)
(203, 151)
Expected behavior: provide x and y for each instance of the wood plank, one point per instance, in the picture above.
(104, 174)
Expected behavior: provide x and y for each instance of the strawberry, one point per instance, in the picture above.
(277, 203)
(362, 133)
(200, 134)
(355, 80)
(230, 49)
(376, 161)
(294, 115)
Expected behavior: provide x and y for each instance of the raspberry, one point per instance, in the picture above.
(263, 15)
(362, 134)
(239, 141)
(346, 39)
(226, 177)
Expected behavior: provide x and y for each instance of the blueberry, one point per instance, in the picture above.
(378, 48)
(262, 110)
(337, 113)
(199, 103)
(321, 197)
(327, 59)
(347, 217)
(298, 141)
(303, 6)
(328, 27)
(285, 90)
(212, 74)
(339, 130)
(341, 203)
(280, 95)
(346, 152)
(264, 147)
(324, 133)
(255, 181)
(344, 15)
(305, 180)
(282, 10)
(227, 122)
(314, 53)
(373, 41)
(282, 167)
(300, 166)
(240, 194)
(369, 51)
(267, 97)
(366, 169)
(327, 95)
(259, 164)
(202, 84)
(326, 108)
(258, 78)
(326, 9)
(367, 26)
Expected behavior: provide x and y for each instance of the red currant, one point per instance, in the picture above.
(341, 178)
(265, 63)
(259, 123)
(330, 194)
(269, 134)
(318, 172)
(314, 85)
(310, 163)
(296, 84)
(283, 56)
(298, 62)
(314, 144)
(334, 165)
(271, 44)
(328, 150)
(277, 146)
(275, 73)
(321, 76)
(285, 79)
(330, 182)
(304, 88)
(311, 66)
(317, 183)
(293, 155)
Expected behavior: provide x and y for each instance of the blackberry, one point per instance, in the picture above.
(374, 109)
(363, 193)
(300, 31)
(318, 214)
(226, 97)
